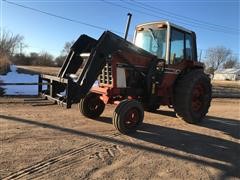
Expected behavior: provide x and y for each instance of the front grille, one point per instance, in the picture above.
(106, 76)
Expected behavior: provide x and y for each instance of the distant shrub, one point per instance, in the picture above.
(21, 59)
(35, 59)
(44, 59)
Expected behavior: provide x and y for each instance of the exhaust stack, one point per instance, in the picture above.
(127, 25)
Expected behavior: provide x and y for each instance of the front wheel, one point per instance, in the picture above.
(128, 116)
(91, 106)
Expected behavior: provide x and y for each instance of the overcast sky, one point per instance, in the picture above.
(216, 22)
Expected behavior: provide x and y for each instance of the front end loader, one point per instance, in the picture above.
(159, 68)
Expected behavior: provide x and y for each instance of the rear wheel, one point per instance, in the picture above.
(128, 116)
(91, 106)
(192, 96)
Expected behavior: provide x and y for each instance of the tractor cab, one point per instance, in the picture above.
(167, 41)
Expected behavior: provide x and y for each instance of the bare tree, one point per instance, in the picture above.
(59, 60)
(44, 59)
(9, 43)
(66, 48)
(232, 62)
(216, 57)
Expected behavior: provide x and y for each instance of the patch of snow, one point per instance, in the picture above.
(15, 77)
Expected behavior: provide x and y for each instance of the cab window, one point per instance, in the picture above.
(153, 41)
(177, 46)
(189, 49)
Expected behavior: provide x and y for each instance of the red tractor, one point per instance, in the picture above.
(159, 68)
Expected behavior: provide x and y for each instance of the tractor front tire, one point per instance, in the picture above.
(91, 106)
(128, 116)
(192, 96)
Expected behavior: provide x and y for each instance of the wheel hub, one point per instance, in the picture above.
(131, 118)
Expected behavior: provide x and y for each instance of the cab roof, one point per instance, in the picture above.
(163, 23)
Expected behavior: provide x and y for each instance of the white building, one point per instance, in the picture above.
(227, 74)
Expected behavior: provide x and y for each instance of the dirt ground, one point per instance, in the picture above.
(226, 84)
(44, 141)
(39, 69)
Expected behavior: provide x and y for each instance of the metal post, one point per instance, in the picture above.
(39, 85)
(69, 93)
(127, 25)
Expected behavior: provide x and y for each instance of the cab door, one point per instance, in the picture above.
(181, 46)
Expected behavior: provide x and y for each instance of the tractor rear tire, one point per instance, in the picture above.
(91, 106)
(192, 96)
(128, 116)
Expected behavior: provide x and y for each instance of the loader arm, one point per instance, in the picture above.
(73, 61)
(101, 51)
(108, 45)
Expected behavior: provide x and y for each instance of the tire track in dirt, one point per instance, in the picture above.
(103, 154)
(110, 168)
(61, 161)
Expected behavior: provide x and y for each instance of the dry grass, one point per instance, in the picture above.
(226, 84)
(4, 64)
